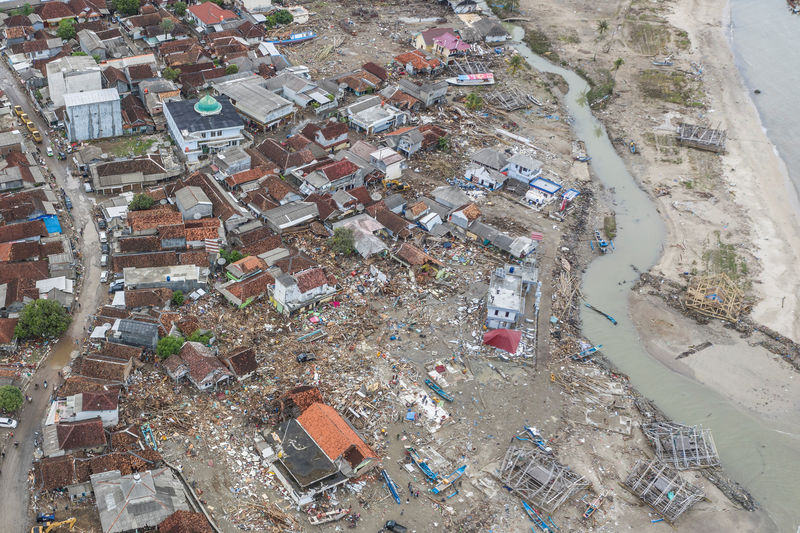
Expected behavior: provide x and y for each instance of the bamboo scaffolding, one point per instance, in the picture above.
(662, 488)
(682, 446)
(701, 137)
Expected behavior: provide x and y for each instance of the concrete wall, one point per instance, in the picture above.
(94, 121)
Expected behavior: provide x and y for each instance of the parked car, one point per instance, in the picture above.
(116, 286)
(391, 525)
(87, 186)
(103, 236)
(305, 357)
(101, 223)
(67, 202)
(104, 260)
(62, 156)
(104, 248)
(8, 423)
(18, 110)
(104, 276)
(49, 151)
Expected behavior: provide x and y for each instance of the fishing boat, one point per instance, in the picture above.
(292, 38)
(447, 481)
(583, 355)
(391, 485)
(329, 516)
(422, 465)
(538, 440)
(537, 518)
(534, 100)
(596, 310)
(438, 390)
(603, 245)
(583, 158)
(484, 78)
(666, 62)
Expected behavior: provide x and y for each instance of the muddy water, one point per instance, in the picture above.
(760, 455)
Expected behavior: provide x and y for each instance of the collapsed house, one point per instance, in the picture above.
(538, 478)
(682, 446)
(662, 488)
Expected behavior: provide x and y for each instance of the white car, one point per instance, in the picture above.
(8, 423)
(104, 276)
(49, 151)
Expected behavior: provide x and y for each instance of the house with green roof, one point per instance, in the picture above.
(203, 126)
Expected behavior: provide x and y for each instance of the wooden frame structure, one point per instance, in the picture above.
(715, 296)
(469, 66)
(538, 478)
(682, 446)
(701, 137)
(662, 488)
(508, 99)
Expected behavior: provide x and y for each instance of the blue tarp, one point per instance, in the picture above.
(51, 223)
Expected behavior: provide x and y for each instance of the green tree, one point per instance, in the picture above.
(443, 144)
(474, 101)
(140, 202)
(24, 10)
(79, 53)
(166, 25)
(66, 29)
(342, 241)
(232, 69)
(179, 8)
(270, 22)
(218, 2)
(231, 256)
(10, 398)
(169, 345)
(42, 319)
(170, 73)
(177, 298)
(515, 63)
(126, 7)
(202, 338)
(618, 62)
(602, 27)
(283, 17)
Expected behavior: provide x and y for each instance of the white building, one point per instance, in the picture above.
(93, 114)
(85, 406)
(505, 302)
(252, 99)
(202, 127)
(72, 74)
(304, 289)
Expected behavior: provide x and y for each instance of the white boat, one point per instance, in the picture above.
(486, 78)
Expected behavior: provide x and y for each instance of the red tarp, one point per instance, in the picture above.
(505, 339)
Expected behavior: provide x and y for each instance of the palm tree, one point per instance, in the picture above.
(602, 27)
(515, 63)
(474, 101)
(618, 62)
(166, 26)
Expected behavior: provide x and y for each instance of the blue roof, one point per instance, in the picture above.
(545, 185)
(51, 223)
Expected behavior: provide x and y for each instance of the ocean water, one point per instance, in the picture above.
(763, 35)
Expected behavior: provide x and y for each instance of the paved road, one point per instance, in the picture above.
(17, 461)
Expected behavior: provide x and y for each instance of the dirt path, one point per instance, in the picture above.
(18, 460)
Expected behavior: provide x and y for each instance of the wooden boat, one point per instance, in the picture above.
(485, 78)
(534, 100)
(447, 481)
(422, 465)
(391, 485)
(603, 245)
(584, 354)
(583, 158)
(329, 516)
(293, 38)
(538, 440)
(438, 390)
(535, 517)
(666, 62)
(596, 310)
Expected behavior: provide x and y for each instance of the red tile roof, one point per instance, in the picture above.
(99, 401)
(362, 195)
(242, 360)
(211, 13)
(246, 176)
(23, 230)
(123, 351)
(153, 259)
(376, 70)
(83, 434)
(280, 157)
(277, 187)
(145, 243)
(418, 60)
(414, 256)
(394, 223)
(54, 11)
(185, 522)
(102, 367)
(157, 297)
(55, 472)
(333, 434)
(199, 258)
(310, 279)
(7, 326)
(150, 219)
(251, 287)
(339, 169)
(325, 204)
(27, 270)
(78, 384)
(200, 359)
(172, 231)
(140, 72)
